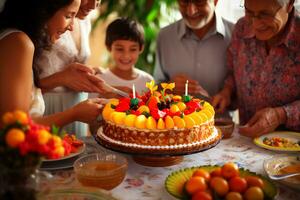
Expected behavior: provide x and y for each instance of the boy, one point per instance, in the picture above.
(125, 42)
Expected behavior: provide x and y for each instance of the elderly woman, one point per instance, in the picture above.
(264, 68)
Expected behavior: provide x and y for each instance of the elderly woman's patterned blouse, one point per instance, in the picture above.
(266, 79)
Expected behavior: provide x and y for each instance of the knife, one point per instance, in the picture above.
(110, 88)
(203, 97)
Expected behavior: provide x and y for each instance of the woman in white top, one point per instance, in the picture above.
(62, 69)
(26, 29)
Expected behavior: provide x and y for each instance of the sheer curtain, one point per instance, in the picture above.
(233, 9)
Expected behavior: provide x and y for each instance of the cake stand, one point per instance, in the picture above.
(154, 156)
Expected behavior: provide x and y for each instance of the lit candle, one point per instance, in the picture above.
(133, 90)
(186, 87)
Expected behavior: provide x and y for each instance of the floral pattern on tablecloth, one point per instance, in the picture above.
(147, 183)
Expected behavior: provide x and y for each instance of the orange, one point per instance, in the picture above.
(43, 137)
(196, 118)
(130, 120)
(8, 118)
(161, 124)
(233, 196)
(107, 110)
(216, 172)
(195, 184)
(219, 185)
(140, 121)
(174, 108)
(21, 117)
(179, 122)
(181, 106)
(60, 151)
(151, 123)
(56, 140)
(119, 117)
(238, 184)
(169, 122)
(14, 137)
(254, 193)
(254, 181)
(203, 173)
(189, 122)
(230, 170)
(201, 195)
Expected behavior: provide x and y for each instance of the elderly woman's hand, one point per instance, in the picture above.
(264, 121)
(79, 77)
(194, 87)
(221, 100)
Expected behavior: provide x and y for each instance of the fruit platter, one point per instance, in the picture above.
(74, 148)
(213, 182)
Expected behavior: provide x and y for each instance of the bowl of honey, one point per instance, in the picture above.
(226, 126)
(103, 170)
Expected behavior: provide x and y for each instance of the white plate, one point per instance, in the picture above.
(58, 165)
(273, 166)
(80, 150)
(293, 136)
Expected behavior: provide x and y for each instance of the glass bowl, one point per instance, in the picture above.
(103, 170)
(226, 126)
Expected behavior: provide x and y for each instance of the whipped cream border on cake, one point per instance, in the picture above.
(177, 146)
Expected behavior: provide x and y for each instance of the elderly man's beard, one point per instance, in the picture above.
(204, 21)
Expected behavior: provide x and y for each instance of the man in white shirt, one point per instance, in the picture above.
(194, 48)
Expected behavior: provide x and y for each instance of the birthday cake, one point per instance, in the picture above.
(158, 122)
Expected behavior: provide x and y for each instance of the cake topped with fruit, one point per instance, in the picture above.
(158, 120)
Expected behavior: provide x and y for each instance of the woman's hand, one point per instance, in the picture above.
(264, 121)
(79, 77)
(194, 87)
(88, 111)
(221, 100)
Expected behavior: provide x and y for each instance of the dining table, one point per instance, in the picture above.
(148, 183)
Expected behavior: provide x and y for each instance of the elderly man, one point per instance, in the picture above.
(194, 48)
(264, 65)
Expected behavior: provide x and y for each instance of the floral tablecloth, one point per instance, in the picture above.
(147, 183)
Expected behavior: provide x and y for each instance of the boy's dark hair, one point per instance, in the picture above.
(124, 29)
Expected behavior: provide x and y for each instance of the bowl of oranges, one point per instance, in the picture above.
(219, 182)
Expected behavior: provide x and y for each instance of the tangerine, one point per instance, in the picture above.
(201, 195)
(195, 184)
(202, 173)
(8, 118)
(21, 117)
(14, 137)
(230, 170)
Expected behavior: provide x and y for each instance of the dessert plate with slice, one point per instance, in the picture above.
(285, 141)
(284, 164)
